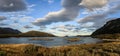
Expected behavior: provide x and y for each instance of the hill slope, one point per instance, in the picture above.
(9, 31)
(110, 29)
(36, 34)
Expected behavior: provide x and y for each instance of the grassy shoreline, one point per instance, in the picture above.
(101, 49)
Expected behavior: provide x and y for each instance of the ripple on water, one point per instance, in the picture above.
(50, 41)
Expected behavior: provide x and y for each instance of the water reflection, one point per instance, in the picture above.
(57, 41)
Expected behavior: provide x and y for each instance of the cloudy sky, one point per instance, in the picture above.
(59, 17)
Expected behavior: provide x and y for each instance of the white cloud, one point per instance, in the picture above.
(101, 18)
(69, 12)
(87, 25)
(50, 1)
(25, 19)
(97, 19)
(100, 11)
(32, 5)
(93, 4)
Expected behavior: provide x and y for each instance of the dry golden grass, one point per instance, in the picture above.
(108, 36)
(101, 49)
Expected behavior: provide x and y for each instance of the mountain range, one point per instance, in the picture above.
(9, 32)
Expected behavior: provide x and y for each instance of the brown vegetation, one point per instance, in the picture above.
(108, 36)
(45, 39)
(73, 39)
(102, 49)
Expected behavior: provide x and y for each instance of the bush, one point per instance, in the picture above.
(2, 53)
(30, 49)
(73, 39)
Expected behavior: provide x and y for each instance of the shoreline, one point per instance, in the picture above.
(23, 44)
(111, 49)
(110, 42)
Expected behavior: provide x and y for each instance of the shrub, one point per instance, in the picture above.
(73, 39)
(2, 53)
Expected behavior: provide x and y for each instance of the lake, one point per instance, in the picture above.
(56, 41)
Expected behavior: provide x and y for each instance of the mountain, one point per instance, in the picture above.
(9, 31)
(110, 30)
(36, 34)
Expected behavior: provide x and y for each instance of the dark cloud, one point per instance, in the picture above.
(114, 9)
(70, 3)
(96, 20)
(12, 5)
(3, 24)
(92, 18)
(69, 12)
(54, 28)
(28, 27)
(16, 21)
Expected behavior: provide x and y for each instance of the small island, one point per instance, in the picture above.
(83, 35)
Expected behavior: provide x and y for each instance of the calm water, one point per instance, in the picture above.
(57, 41)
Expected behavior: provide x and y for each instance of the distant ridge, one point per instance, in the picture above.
(9, 31)
(36, 34)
